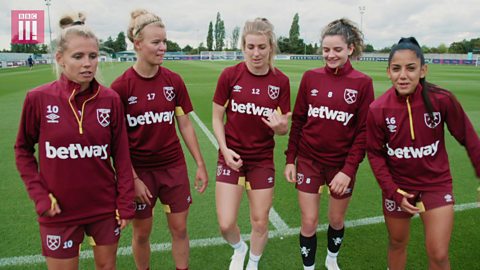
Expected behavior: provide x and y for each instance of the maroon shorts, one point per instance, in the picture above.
(63, 242)
(425, 200)
(251, 176)
(170, 185)
(312, 176)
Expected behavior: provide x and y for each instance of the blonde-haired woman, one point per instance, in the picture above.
(255, 98)
(154, 97)
(78, 125)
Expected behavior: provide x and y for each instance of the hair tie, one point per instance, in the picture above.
(78, 23)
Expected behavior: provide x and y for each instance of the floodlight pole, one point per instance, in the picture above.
(362, 11)
(48, 3)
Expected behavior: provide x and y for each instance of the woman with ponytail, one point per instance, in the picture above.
(155, 98)
(79, 128)
(327, 138)
(406, 150)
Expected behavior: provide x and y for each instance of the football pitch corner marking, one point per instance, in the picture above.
(273, 216)
(214, 241)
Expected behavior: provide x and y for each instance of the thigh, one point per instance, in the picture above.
(260, 201)
(309, 204)
(174, 189)
(105, 255)
(398, 229)
(61, 242)
(62, 264)
(337, 208)
(438, 224)
(309, 178)
(228, 198)
(177, 221)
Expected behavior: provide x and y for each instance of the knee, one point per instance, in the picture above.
(259, 225)
(141, 236)
(396, 243)
(309, 225)
(227, 227)
(179, 232)
(105, 265)
(438, 256)
(336, 221)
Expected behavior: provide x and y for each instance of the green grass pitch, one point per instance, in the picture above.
(365, 240)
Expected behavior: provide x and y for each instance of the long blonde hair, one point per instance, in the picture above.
(261, 26)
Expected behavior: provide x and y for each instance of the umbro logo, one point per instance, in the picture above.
(132, 100)
(237, 88)
(52, 118)
(314, 92)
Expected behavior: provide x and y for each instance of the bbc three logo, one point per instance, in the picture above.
(27, 26)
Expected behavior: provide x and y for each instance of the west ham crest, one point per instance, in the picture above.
(273, 91)
(390, 205)
(432, 122)
(103, 117)
(300, 178)
(53, 242)
(169, 93)
(350, 95)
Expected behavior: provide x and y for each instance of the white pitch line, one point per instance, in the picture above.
(215, 241)
(273, 216)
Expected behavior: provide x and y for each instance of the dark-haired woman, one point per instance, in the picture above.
(327, 138)
(406, 149)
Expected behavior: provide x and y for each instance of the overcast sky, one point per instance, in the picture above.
(432, 22)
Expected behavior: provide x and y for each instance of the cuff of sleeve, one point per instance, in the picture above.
(397, 197)
(126, 213)
(348, 170)
(42, 205)
(290, 159)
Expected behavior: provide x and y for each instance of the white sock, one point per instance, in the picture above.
(240, 246)
(253, 260)
(332, 255)
(312, 267)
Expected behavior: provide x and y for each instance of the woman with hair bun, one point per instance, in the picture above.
(154, 97)
(79, 128)
(327, 138)
(254, 96)
(407, 153)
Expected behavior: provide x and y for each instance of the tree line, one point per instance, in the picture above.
(217, 40)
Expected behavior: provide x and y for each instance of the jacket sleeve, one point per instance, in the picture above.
(357, 151)
(122, 164)
(27, 137)
(462, 129)
(299, 118)
(377, 157)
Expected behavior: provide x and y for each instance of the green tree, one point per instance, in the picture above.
(457, 47)
(120, 42)
(442, 48)
(210, 37)
(294, 35)
(187, 49)
(219, 33)
(283, 44)
(368, 48)
(235, 37)
(173, 46)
